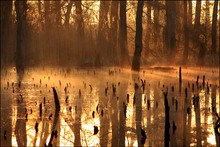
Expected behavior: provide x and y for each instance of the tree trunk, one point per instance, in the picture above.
(148, 33)
(114, 30)
(80, 28)
(67, 15)
(103, 29)
(123, 34)
(58, 12)
(198, 42)
(138, 37)
(170, 30)
(20, 8)
(214, 24)
(6, 30)
(186, 38)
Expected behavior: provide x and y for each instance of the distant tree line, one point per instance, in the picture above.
(96, 33)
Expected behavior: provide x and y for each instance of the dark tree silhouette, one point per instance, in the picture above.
(21, 9)
(138, 37)
(148, 34)
(123, 34)
(170, 29)
(214, 24)
(114, 31)
(186, 36)
(67, 14)
(6, 29)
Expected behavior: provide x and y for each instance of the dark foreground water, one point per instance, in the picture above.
(93, 114)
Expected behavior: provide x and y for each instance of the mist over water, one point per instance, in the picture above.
(87, 99)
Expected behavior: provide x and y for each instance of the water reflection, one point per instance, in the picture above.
(111, 103)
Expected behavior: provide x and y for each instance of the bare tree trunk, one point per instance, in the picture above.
(20, 8)
(198, 42)
(214, 24)
(58, 12)
(170, 29)
(138, 37)
(6, 30)
(186, 37)
(80, 28)
(114, 30)
(123, 34)
(103, 29)
(148, 33)
(67, 15)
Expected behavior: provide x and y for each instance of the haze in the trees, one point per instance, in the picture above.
(106, 33)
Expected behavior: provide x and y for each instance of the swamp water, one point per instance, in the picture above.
(98, 107)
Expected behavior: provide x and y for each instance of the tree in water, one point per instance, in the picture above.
(214, 24)
(114, 31)
(186, 37)
(170, 29)
(6, 30)
(198, 40)
(20, 8)
(123, 34)
(138, 37)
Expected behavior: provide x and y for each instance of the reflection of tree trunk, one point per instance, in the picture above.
(184, 119)
(114, 121)
(77, 124)
(104, 121)
(138, 37)
(138, 97)
(121, 123)
(167, 121)
(20, 126)
(198, 123)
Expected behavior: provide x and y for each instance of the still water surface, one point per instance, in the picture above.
(87, 99)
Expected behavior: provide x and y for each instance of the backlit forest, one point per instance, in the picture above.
(108, 33)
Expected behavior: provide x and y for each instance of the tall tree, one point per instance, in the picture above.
(114, 30)
(123, 34)
(197, 40)
(186, 37)
(102, 30)
(80, 27)
(170, 29)
(138, 37)
(67, 14)
(149, 24)
(58, 12)
(214, 24)
(21, 10)
(6, 29)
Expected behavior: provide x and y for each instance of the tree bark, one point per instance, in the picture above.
(138, 37)
(123, 34)
(67, 15)
(186, 37)
(20, 8)
(114, 30)
(6, 30)
(170, 30)
(214, 24)
(149, 24)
